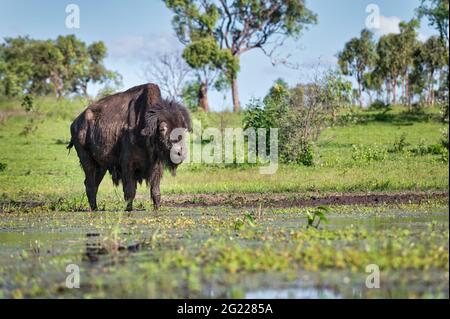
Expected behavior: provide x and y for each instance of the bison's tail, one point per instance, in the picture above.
(69, 146)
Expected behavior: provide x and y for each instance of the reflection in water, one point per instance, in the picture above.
(292, 293)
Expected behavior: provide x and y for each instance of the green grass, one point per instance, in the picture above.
(38, 165)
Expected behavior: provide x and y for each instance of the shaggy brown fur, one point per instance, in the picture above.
(128, 134)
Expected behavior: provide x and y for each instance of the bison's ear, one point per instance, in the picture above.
(152, 94)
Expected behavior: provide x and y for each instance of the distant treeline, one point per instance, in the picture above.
(399, 68)
(60, 67)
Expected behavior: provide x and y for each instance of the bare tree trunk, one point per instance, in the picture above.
(394, 92)
(360, 95)
(408, 94)
(235, 94)
(203, 97)
(403, 89)
(389, 90)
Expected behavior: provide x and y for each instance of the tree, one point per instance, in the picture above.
(389, 64)
(171, 73)
(17, 65)
(407, 44)
(207, 59)
(62, 66)
(437, 12)
(431, 57)
(238, 26)
(357, 57)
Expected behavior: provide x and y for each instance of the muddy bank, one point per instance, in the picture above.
(300, 200)
(284, 200)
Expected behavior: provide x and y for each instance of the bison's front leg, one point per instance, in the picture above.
(129, 191)
(155, 180)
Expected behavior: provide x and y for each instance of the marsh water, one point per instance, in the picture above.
(224, 252)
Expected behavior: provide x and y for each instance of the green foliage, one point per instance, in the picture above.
(318, 213)
(437, 13)
(190, 95)
(444, 137)
(2, 166)
(366, 154)
(357, 57)
(241, 223)
(300, 113)
(421, 149)
(61, 66)
(28, 103)
(379, 105)
(399, 145)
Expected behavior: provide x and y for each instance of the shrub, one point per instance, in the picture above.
(361, 153)
(2, 166)
(300, 114)
(444, 138)
(27, 103)
(379, 105)
(399, 145)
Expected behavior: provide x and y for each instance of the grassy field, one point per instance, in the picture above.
(356, 157)
(266, 250)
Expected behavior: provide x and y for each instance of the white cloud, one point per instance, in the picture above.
(388, 25)
(392, 25)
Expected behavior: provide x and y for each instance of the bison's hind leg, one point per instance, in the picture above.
(94, 174)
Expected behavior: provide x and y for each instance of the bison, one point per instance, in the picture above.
(133, 135)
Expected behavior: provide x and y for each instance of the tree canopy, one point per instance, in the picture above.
(61, 66)
(230, 28)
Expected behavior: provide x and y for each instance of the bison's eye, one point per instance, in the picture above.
(163, 128)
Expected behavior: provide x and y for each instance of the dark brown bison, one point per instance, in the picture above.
(133, 135)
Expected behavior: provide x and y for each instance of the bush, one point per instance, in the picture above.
(300, 114)
(2, 166)
(28, 103)
(399, 145)
(366, 154)
(444, 138)
(379, 105)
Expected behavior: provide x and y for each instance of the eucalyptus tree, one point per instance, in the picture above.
(406, 46)
(437, 13)
(238, 26)
(432, 58)
(357, 58)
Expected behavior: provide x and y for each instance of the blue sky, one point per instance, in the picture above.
(135, 30)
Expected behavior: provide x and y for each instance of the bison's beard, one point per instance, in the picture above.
(173, 171)
(172, 167)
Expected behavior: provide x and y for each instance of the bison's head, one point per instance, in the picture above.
(166, 125)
